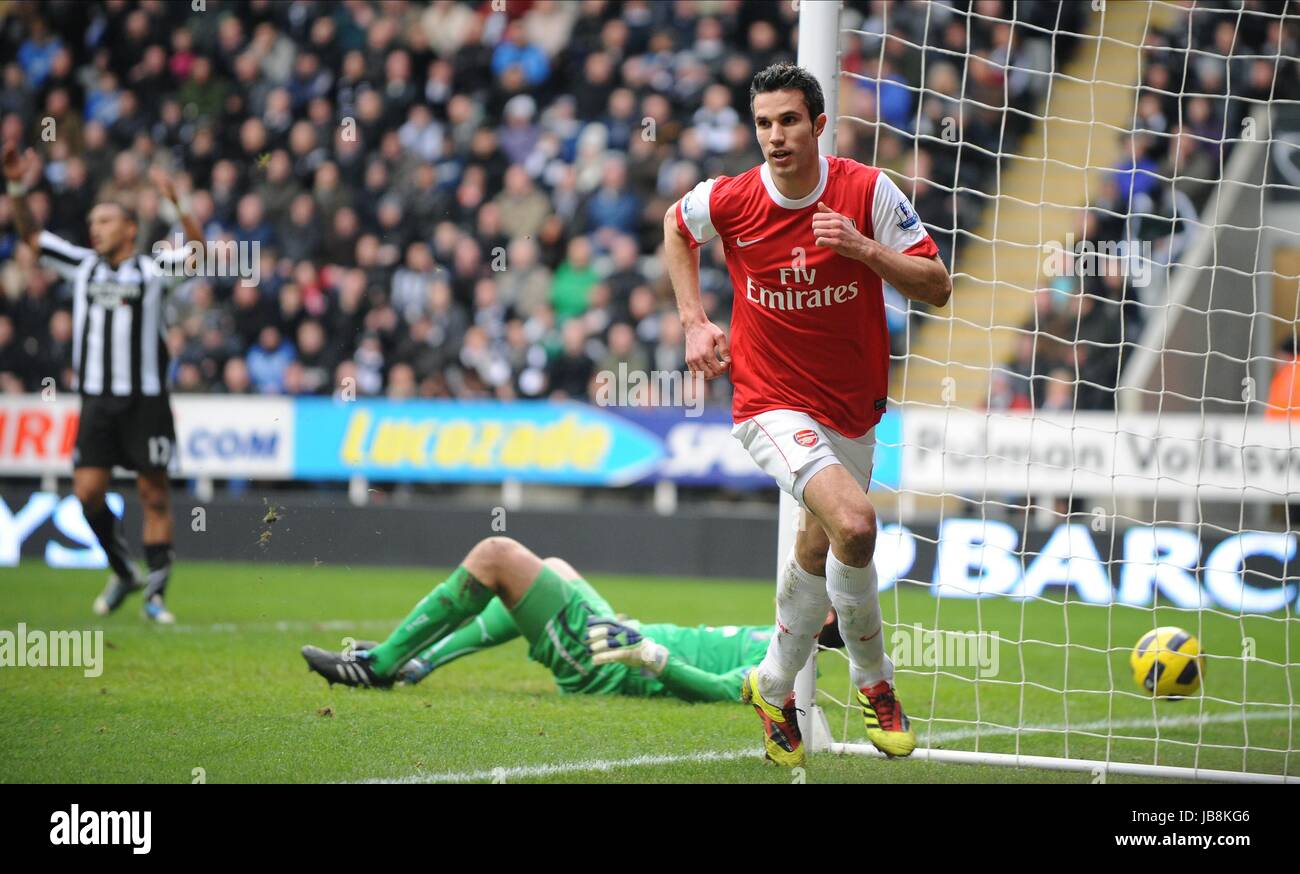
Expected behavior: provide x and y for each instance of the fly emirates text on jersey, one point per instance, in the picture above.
(795, 298)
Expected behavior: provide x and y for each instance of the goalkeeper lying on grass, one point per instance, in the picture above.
(503, 590)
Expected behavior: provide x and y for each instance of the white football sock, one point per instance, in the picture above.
(854, 592)
(801, 607)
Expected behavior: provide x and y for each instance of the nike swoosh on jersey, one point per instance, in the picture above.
(743, 243)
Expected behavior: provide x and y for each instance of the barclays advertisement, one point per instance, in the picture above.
(1250, 572)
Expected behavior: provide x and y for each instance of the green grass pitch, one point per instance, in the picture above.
(226, 691)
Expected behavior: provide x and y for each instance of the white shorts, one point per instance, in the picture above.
(790, 447)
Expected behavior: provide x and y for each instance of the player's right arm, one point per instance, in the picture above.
(167, 188)
(52, 251)
(686, 227)
(18, 171)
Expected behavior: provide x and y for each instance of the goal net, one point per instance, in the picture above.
(1094, 438)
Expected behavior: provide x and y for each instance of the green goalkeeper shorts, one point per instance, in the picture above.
(552, 616)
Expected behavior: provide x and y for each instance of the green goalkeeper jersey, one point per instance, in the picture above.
(705, 663)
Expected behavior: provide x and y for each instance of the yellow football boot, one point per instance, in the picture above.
(887, 725)
(781, 738)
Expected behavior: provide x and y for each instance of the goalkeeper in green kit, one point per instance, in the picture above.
(503, 590)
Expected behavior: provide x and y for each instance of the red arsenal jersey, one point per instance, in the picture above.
(808, 329)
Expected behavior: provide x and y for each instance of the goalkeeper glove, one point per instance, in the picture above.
(611, 642)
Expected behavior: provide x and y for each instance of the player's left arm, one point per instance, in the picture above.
(916, 276)
(899, 250)
(167, 188)
(613, 642)
(689, 683)
(22, 171)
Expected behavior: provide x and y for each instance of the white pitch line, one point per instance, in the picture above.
(1098, 725)
(524, 771)
(283, 625)
(505, 774)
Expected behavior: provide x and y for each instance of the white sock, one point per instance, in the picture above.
(801, 607)
(854, 592)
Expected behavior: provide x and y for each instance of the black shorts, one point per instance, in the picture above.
(135, 432)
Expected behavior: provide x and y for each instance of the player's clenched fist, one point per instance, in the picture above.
(166, 187)
(834, 231)
(19, 165)
(706, 349)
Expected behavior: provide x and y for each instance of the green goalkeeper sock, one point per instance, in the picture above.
(493, 627)
(443, 610)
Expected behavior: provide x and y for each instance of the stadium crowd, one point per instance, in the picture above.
(1202, 80)
(465, 199)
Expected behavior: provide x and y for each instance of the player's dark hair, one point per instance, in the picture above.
(780, 77)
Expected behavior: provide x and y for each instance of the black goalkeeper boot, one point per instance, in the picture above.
(349, 668)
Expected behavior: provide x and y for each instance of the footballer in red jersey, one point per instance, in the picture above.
(809, 239)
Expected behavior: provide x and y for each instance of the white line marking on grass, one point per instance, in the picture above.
(525, 771)
(1190, 720)
(603, 765)
(283, 625)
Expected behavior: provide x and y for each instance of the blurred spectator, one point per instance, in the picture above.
(516, 52)
(519, 136)
(571, 371)
(315, 358)
(624, 348)
(268, 360)
(716, 119)
(411, 282)
(15, 362)
(1059, 396)
(526, 284)
(300, 235)
(235, 377)
(401, 382)
(573, 280)
(368, 365)
(447, 319)
(36, 52)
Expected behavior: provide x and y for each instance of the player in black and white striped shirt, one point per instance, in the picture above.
(120, 359)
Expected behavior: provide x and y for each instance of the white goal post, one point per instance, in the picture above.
(1071, 703)
(819, 34)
